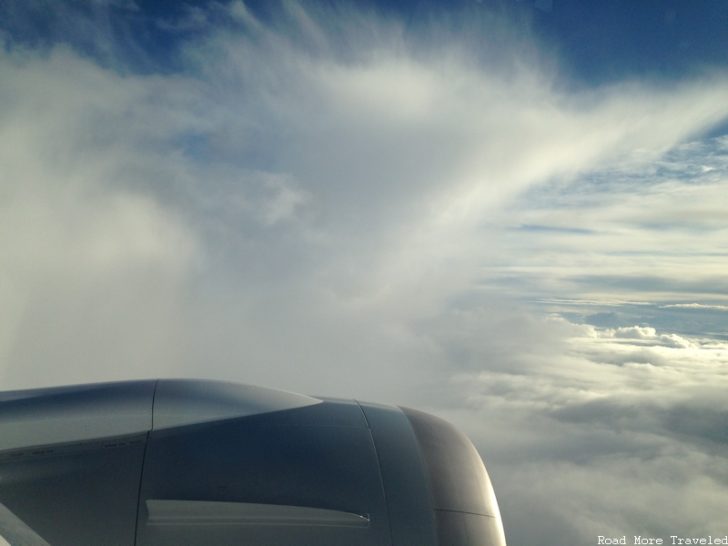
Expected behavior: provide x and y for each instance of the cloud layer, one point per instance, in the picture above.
(331, 201)
(620, 433)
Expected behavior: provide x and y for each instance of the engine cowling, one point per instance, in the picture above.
(201, 463)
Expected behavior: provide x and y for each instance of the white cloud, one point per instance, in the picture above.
(316, 203)
(580, 447)
(91, 266)
(696, 306)
(655, 233)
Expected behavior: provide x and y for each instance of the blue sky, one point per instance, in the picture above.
(511, 214)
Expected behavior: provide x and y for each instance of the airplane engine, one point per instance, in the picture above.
(203, 463)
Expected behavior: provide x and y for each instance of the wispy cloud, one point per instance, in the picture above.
(655, 238)
(699, 306)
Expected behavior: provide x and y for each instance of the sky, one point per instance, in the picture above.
(512, 214)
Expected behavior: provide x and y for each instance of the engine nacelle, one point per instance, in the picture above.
(203, 463)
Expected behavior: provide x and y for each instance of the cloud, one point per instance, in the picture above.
(699, 306)
(579, 448)
(91, 267)
(655, 233)
(321, 200)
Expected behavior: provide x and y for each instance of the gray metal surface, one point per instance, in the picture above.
(193, 513)
(202, 463)
(43, 417)
(183, 402)
(317, 457)
(409, 498)
(16, 532)
(463, 499)
(81, 495)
